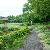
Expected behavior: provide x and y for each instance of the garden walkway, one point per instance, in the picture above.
(32, 42)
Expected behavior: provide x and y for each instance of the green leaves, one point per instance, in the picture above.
(13, 39)
(37, 8)
(43, 33)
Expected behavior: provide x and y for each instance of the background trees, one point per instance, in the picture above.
(35, 11)
(38, 9)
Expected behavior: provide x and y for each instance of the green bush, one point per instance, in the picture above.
(13, 39)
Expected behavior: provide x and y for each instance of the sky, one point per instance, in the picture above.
(11, 7)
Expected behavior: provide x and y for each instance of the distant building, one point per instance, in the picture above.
(4, 20)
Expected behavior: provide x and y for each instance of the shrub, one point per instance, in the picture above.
(13, 39)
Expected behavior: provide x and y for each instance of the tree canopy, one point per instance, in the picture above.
(37, 8)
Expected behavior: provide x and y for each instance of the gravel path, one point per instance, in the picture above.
(32, 43)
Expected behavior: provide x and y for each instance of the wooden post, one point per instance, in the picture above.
(5, 25)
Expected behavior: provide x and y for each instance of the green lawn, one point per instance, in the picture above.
(10, 25)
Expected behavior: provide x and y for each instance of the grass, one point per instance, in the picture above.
(10, 25)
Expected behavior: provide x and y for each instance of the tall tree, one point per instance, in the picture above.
(38, 8)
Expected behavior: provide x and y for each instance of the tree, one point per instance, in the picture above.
(11, 19)
(27, 12)
(38, 9)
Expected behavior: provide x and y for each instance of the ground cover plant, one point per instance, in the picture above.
(13, 39)
(43, 32)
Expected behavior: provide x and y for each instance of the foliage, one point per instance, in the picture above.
(13, 39)
(16, 19)
(37, 9)
(43, 32)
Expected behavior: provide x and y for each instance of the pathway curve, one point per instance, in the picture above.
(32, 42)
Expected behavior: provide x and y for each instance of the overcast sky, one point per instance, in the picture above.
(11, 7)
